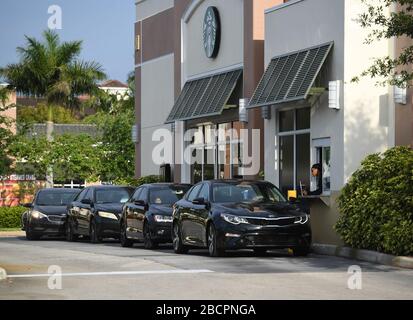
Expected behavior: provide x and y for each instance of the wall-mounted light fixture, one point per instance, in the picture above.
(400, 95)
(243, 111)
(138, 42)
(266, 112)
(135, 133)
(334, 93)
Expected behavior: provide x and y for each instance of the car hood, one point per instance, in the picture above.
(51, 210)
(110, 207)
(164, 209)
(264, 210)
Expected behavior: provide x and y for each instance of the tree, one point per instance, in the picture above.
(53, 70)
(71, 156)
(397, 71)
(115, 120)
(5, 132)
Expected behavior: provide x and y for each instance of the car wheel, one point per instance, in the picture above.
(94, 236)
(301, 251)
(30, 235)
(179, 247)
(124, 241)
(260, 251)
(214, 247)
(70, 236)
(147, 239)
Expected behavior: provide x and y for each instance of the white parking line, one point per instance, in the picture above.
(113, 273)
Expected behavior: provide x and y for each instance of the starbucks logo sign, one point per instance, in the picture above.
(211, 32)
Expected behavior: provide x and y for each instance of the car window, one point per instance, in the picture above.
(135, 196)
(204, 193)
(53, 198)
(89, 194)
(112, 195)
(82, 195)
(194, 192)
(166, 194)
(227, 192)
(143, 195)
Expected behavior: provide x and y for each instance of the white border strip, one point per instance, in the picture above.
(282, 5)
(113, 273)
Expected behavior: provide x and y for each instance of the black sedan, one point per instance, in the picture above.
(47, 214)
(147, 216)
(229, 215)
(95, 213)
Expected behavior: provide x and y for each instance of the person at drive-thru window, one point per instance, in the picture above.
(316, 173)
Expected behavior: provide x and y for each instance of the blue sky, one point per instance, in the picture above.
(105, 26)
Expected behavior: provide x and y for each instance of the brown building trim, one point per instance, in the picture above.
(138, 32)
(157, 35)
(404, 113)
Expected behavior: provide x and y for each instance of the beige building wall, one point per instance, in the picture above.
(157, 96)
(195, 62)
(147, 8)
(365, 122)
(298, 25)
(368, 108)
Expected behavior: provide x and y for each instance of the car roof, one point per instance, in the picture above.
(57, 190)
(110, 187)
(236, 181)
(165, 184)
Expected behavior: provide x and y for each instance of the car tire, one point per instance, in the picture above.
(94, 234)
(70, 235)
(124, 241)
(148, 243)
(301, 251)
(30, 235)
(215, 248)
(260, 251)
(178, 245)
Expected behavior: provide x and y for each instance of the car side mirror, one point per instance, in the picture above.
(200, 202)
(140, 203)
(27, 205)
(86, 201)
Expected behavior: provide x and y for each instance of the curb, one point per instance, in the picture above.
(363, 255)
(3, 274)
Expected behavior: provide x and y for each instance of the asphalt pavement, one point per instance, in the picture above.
(56, 269)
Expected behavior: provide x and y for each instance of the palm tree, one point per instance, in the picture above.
(52, 70)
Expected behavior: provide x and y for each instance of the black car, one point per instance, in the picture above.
(228, 215)
(46, 216)
(147, 216)
(95, 213)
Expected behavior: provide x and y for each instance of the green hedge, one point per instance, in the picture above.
(11, 217)
(376, 205)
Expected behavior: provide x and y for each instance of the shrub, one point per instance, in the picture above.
(138, 182)
(10, 217)
(376, 205)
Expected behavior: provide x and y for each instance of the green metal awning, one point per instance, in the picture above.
(204, 97)
(290, 77)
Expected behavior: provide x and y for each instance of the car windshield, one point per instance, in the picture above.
(246, 192)
(112, 195)
(47, 198)
(167, 194)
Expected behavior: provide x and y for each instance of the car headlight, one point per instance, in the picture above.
(160, 218)
(37, 215)
(233, 219)
(302, 219)
(108, 215)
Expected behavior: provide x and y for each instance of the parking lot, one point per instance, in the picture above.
(107, 271)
